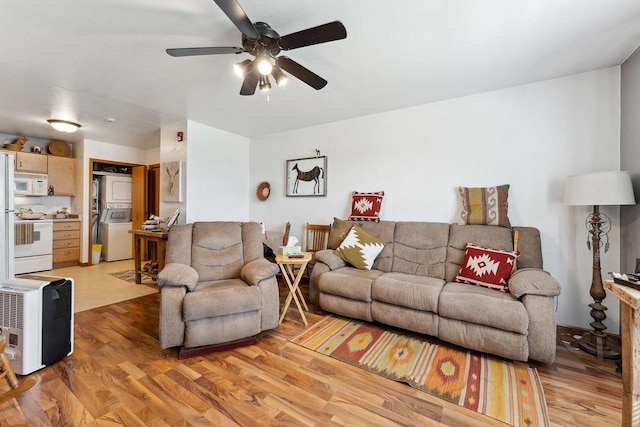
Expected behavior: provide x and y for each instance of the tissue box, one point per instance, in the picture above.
(288, 250)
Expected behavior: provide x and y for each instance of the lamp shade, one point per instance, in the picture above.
(600, 188)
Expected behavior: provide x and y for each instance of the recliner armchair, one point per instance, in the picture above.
(216, 286)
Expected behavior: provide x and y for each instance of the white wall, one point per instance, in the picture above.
(218, 175)
(216, 165)
(630, 154)
(153, 156)
(529, 136)
(84, 151)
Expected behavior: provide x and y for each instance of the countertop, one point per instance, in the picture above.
(69, 219)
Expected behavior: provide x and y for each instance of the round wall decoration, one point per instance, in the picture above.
(263, 191)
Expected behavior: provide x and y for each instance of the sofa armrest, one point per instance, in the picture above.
(258, 270)
(175, 274)
(533, 281)
(330, 259)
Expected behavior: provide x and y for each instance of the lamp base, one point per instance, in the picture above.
(602, 347)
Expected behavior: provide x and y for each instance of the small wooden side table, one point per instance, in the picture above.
(160, 237)
(293, 281)
(630, 326)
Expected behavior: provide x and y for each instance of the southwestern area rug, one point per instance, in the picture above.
(130, 276)
(508, 391)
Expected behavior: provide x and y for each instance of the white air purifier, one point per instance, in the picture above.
(36, 321)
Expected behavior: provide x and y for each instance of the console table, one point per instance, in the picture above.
(630, 331)
(160, 239)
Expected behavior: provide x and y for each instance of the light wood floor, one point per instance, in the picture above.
(118, 375)
(95, 287)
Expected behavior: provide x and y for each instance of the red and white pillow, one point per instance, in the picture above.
(490, 268)
(366, 206)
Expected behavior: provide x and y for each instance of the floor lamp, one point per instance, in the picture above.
(598, 189)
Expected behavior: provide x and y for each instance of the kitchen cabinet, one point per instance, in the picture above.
(66, 243)
(31, 162)
(62, 175)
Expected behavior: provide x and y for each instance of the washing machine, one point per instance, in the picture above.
(116, 241)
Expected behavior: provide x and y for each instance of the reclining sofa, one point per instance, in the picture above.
(412, 286)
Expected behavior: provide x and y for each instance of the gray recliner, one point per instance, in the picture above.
(216, 286)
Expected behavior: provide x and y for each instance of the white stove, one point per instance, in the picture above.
(33, 241)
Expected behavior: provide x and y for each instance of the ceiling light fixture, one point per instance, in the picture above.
(264, 64)
(279, 75)
(264, 84)
(64, 125)
(241, 68)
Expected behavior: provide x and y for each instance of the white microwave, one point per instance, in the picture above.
(29, 184)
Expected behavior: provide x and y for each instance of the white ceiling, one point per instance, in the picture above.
(89, 60)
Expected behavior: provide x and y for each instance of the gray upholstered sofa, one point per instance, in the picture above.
(216, 286)
(412, 286)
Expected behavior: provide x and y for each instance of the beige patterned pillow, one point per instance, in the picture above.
(485, 205)
(359, 248)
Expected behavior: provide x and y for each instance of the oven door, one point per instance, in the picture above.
(42, 240)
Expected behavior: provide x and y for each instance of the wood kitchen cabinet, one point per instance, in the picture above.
(62, 175)
(31, 162)
(66, 243)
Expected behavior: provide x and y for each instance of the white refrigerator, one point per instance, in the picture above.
(7, 217)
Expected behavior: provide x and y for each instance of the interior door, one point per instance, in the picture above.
(153, 189)
(138, 198)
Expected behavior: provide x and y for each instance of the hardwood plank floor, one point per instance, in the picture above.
(118, 375)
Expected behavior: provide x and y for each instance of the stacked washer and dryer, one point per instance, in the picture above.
(115, 218)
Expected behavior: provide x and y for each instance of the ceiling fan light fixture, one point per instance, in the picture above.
(241, 68)
(264, 65)
(64, 125)
(279, 75)
(264, 84)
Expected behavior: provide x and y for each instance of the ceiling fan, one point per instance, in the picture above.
(261, 41)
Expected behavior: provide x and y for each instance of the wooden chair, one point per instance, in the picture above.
(285, 237)
(7, 372)
(317, 240)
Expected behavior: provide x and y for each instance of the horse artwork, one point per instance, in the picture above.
(310, 170)
(312, 175)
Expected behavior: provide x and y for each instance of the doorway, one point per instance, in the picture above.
(100, 168)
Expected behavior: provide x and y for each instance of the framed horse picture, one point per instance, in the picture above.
(307, 177)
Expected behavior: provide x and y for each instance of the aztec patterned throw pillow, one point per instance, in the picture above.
(366, 206)
(360, 248)
(490, 268)
(485, 205)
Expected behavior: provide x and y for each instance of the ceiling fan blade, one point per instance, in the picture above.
(297, 70)
(250, 83)
(234, 11)
(193, 51)
(315, 35)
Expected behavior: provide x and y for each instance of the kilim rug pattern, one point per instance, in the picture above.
(130, 276)
(508, 391)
